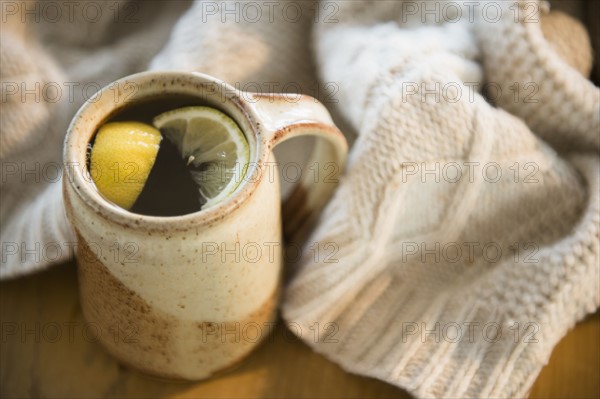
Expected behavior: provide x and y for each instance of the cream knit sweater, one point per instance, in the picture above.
(465, 234)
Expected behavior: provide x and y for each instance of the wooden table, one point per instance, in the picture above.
(45, 352)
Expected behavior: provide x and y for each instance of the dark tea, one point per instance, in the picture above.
(169, 189)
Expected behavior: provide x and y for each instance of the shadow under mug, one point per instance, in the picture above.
(188, 296)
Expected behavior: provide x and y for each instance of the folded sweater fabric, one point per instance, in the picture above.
(465, 230)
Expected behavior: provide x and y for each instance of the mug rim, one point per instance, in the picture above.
(75, 154)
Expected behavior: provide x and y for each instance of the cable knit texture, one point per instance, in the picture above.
(466, 227)
(564, 108)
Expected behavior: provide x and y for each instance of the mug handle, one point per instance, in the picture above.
(284, 117)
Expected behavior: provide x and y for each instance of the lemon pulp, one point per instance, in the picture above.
(121, 159)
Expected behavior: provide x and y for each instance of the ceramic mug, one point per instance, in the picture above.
(185, 297)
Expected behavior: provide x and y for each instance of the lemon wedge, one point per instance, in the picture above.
(121, 158)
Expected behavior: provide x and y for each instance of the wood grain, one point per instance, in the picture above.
(48, 350)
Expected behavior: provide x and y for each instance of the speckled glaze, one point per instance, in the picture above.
(185, 297)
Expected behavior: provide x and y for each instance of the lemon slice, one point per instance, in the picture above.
(212, 145)
(121, 159)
